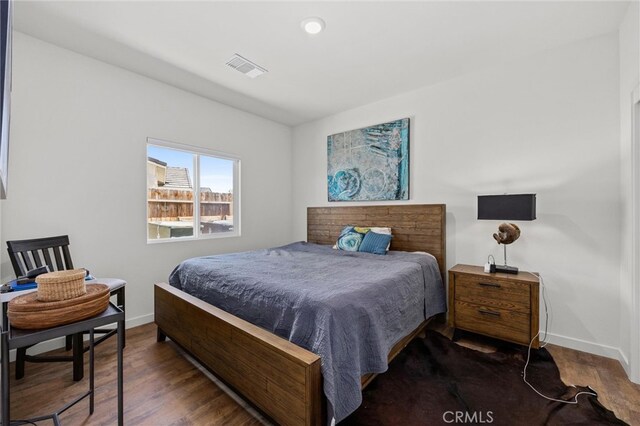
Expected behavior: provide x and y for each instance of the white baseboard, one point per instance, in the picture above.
(141, 320)
(626, 365)
(58, 343)
(590, 347)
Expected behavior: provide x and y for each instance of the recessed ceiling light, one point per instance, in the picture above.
(312, 25)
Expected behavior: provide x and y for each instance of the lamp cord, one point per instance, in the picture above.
(544, 343)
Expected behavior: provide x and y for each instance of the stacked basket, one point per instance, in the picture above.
(63, 297)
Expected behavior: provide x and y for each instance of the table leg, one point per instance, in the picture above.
(78, 357)
(91, 375)
(21, 354)
(5, 378)
(120, 373)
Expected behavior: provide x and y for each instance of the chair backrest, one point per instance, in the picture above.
(29, 254)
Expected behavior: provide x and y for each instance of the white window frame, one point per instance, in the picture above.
(196, 151)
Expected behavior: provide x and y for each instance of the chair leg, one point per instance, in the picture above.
(20, 355)
(68, 343)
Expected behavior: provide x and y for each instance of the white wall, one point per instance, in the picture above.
(629, 39)
(547, 124)
(78, 166)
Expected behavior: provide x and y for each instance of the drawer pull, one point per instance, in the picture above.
(490, 285)
(488, 312)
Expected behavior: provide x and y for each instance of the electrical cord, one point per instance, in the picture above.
(546, 312)
(544, 340)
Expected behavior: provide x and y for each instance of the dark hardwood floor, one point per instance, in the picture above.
(162, 387)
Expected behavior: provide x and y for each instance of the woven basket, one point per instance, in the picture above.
(30, 313)
(61, 285)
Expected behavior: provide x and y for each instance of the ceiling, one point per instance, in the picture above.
(369, 50)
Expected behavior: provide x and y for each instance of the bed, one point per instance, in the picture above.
(284, 380)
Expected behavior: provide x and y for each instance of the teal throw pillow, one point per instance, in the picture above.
(375, 243)
(349, 239)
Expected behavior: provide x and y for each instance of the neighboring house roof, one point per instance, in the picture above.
(177, 177)
(154, 160)
(205, 189)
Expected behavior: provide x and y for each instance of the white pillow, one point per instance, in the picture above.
(378, 230)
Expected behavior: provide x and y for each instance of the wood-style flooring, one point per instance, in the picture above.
(163, 388)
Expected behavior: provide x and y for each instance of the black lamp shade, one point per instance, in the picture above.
(507, 207)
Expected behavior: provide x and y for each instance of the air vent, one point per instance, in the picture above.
(245, 66)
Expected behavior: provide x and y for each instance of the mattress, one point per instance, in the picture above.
(350, 308)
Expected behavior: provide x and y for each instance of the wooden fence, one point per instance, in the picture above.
(167, 204)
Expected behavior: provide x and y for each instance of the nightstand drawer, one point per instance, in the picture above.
(492, 321)
(493, 292)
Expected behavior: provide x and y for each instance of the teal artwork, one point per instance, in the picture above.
(369, 164)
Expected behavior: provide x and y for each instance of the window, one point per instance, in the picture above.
(188, 186)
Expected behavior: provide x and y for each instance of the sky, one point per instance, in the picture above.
(215, 173)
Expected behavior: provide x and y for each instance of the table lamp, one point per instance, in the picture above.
(507, 207)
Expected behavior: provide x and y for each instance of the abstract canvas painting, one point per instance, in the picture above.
(369, 164)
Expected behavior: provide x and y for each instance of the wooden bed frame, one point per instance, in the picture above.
(280, 378)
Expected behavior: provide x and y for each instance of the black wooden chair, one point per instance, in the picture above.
(54, 252)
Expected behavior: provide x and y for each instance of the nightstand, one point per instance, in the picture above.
(504, 306)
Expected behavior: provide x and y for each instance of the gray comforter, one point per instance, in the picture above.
(349, 308)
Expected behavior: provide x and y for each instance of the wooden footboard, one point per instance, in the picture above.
(280, 378)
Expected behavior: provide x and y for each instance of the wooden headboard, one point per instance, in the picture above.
(415, 227)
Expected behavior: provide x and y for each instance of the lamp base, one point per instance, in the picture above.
(506, 269)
